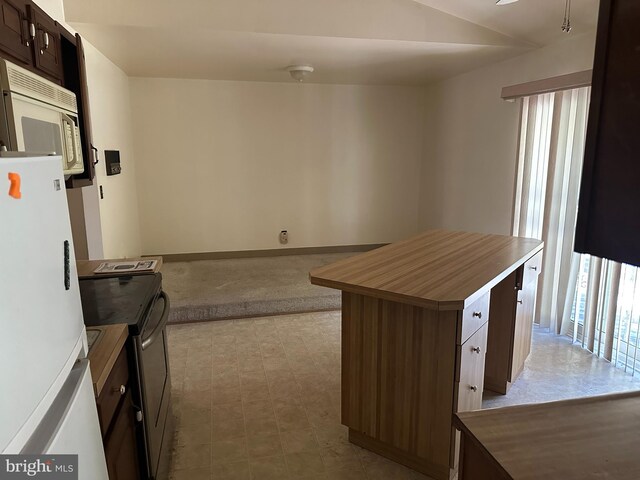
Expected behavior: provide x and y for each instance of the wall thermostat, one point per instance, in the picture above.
(112, 162)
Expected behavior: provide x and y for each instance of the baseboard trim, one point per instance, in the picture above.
(276, 252)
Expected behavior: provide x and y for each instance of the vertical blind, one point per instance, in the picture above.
(603, 318)
(588, 298)
(552, 134)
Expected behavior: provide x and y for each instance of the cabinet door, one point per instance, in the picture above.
(84, 114)
(47, 57)
(120, 446)
(608, 225)
(14, 31)
(75, 79)
(523, 327)
(470, 359)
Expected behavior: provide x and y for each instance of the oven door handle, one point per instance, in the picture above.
(147, 342)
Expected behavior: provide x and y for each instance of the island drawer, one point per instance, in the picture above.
(472, 318)
(470, 371)
(532, 268)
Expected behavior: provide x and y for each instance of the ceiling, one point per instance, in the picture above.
(536, 21)
(391, 42)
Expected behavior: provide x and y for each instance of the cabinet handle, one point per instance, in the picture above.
(46, 40)
(32, 30)
(477, 314)
(519, 301)
(534, 268)
(97, 159)
(475, 349)
(122, 389)
(473, 388)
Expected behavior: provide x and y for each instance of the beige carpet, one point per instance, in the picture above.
(247, 287)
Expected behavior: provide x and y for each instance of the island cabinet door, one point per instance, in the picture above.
(512, 311)
(398, 374)
(525, 313)
(470, 360)
(470, 379)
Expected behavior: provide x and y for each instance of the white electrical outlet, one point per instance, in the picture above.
(284, 237)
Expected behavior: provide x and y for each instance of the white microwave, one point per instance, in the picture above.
(39, 117)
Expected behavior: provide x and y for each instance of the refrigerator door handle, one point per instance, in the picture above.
(47, 430)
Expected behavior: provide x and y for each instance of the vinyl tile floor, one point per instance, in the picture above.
(259, 398)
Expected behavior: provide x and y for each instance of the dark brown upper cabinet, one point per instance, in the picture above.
(33, 40)
(75, 79)
(30, 38)
(46, 43)
(15, 44)
(608, 224)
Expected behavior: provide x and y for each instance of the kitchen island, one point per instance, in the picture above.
(577, 439)
(427, 323)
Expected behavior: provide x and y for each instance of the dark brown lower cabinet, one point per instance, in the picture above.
(117, 422)
(120, 444)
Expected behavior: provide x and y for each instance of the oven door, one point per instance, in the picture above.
(37, 127)
(155, 383)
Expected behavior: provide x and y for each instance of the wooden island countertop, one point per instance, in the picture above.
(438, 269)
(578, 439)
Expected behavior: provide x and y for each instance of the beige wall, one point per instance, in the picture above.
(112, 130)
(470, 156)
(226, 165)
(111, 224)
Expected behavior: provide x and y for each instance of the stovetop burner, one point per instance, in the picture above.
(107, 301)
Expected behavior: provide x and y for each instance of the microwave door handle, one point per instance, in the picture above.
(72, 125)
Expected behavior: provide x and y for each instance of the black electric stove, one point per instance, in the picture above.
(140, 302)
(107, 301)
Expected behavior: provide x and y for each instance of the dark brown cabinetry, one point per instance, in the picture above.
(30, 38)
(46, 43)
(117, 422)
(33, 40)
(75, 79)
(608, 223)
(15, 44)
(120, 447)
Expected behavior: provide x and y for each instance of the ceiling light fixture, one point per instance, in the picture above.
(505, 2)
(566, 24)
(299, 72)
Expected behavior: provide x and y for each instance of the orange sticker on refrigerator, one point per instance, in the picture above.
(14, 188)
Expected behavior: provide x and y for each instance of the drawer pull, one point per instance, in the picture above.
(122, 389)
(477, 314)
(475, 349)
(473, 388)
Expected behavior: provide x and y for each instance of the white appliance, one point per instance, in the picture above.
(39, 116)
(47, 404)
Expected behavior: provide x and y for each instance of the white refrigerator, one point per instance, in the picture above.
(47, 404)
